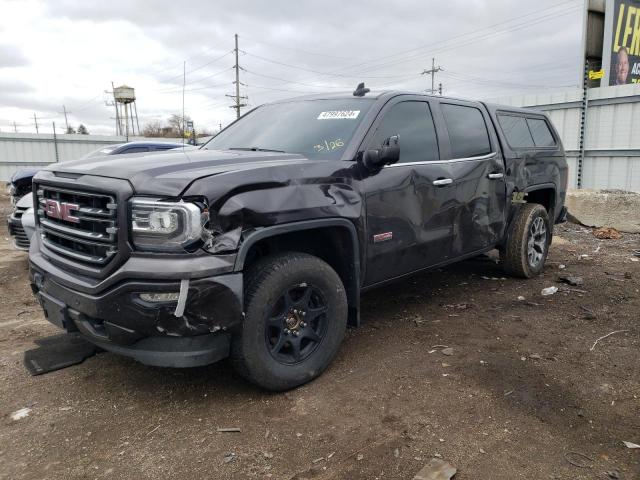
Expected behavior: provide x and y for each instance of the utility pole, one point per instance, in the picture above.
(65, 117)
(433, 72)
(184, 84)
(55, 142)
(15, 127)
(237, 96)
(584, 105)
(35, 119)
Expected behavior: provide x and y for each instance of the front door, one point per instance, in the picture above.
(409, 224)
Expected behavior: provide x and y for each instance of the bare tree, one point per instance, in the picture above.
(154, 128)
(178, 124)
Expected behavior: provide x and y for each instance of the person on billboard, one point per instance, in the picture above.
(622, 67)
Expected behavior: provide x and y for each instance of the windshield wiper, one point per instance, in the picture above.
(256, 149)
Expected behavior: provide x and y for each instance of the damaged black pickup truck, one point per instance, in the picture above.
(258, 246)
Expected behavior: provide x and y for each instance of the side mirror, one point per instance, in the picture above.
(389, 154)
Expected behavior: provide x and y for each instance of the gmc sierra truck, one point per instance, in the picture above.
(258, 246)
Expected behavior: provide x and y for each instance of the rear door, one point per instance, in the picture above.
(477, 171)
(408, 224)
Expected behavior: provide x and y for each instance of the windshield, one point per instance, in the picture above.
(317, 129)
(101, 151)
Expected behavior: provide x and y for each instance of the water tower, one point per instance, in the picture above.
(126, 111)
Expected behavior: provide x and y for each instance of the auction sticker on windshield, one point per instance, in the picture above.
(339, 115)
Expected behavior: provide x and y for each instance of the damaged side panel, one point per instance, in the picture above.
(271, 199)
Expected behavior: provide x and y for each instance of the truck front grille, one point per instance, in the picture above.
(78, 225)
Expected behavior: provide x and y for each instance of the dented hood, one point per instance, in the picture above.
(169, 174)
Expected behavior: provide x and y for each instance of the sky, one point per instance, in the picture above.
(57, 53)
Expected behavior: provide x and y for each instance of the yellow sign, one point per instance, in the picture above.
(596, 74)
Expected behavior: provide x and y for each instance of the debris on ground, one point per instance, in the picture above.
(605, 336)
(589, 314)
(459, 306)
(436, 469)
(359, 457)
(549, 291)
(447, 351)
(521, 298)
(613, 474)
(578, 459)
(229, 430)
(607, 233)
(631, 445)
(571, 280)
(229, 457)
(20, 414)
(562, 266)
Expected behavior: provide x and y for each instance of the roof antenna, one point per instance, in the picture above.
(360, 90)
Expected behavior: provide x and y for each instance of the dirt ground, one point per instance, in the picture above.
(522, 396)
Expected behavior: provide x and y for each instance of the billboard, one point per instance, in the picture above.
(621, 55)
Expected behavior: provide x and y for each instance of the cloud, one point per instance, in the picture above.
(12, 56)
(76, 48)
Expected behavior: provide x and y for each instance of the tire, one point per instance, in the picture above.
(527, 243)
(295, 320)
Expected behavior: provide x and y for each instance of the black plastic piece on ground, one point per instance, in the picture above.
(57, 352)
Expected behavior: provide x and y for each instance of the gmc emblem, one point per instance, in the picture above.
(61, 210)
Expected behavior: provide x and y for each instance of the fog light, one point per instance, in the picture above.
(160, 297)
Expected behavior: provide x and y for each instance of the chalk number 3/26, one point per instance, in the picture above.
(328, 145)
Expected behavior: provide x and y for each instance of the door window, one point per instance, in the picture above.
(467, 131)
(135, 150)
(413, 123)
(542, 136)
(516, 131)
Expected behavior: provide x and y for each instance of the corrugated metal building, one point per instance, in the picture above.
(612, 134)
(28, 150)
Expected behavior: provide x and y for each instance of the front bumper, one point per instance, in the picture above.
(119, 320)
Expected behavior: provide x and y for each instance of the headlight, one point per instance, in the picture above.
(165, 226)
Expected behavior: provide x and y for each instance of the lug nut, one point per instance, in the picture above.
(304, 313)
(287, 331)
(303, 324)
(295, 333)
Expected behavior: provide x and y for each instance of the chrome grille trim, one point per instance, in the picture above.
(92, 237)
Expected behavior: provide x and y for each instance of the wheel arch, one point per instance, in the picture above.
(545, 195)
(334, 240)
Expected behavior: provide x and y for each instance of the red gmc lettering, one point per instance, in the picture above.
(61, 210)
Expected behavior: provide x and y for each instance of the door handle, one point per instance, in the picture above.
(495, 176)
(442, 182)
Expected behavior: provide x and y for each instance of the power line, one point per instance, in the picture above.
(341, 87)
(295, 49)
(484, 36)
(473, 40)
(168, 80)
(491, 29)
(319, 72)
